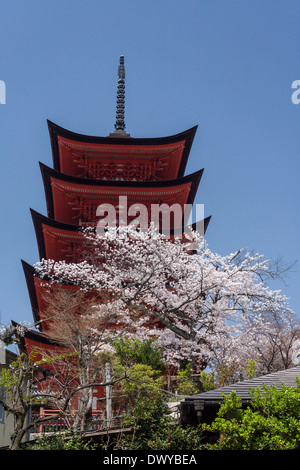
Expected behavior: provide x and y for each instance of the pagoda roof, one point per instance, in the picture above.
(158, 157)
(60, 241)
(29, 272)
(36, 289)
(51, 235)
(32, 338)
(74, 200)
(57, 240)
(39, 289)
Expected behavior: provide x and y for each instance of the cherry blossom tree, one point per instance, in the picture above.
(274, 346)
(195, 302)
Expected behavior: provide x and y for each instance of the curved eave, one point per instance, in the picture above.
(48, 173)
(39, 220)
(29, 276)
(201, 225)
(35, 287)
(34, 337)
(29, 270)
(55, 131)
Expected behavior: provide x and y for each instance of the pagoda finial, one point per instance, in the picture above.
(120, 123)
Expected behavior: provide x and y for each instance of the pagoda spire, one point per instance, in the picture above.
(120, 121)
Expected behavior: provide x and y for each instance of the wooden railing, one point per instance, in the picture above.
(67, 421)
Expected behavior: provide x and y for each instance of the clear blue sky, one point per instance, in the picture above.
(226, 66)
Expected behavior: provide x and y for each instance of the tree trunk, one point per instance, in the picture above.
(87, 420)
(19, 432)
(83, 419)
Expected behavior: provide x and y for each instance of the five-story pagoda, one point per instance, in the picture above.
(89, 171)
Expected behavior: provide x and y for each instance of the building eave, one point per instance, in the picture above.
(39, 220)
(49, 173)
(55, 131)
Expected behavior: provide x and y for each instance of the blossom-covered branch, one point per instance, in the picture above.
(192, 302)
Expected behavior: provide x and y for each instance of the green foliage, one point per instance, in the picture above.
(186, 371)
(155, 429)
(131, 350)
(61, 441)
(18, 396)
(250, 369)
(142, 382)
(207, 381)
(170, 436)
(271, 422)
(225, 374)
(148, 413)
(185, 386)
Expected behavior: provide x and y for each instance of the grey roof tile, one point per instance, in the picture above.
(286, 377)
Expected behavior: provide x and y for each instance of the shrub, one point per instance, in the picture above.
(270, 422)
(61, 441)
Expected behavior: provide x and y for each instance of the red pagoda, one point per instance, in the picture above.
(89, 171)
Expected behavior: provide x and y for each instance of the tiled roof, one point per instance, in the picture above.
(286, 377)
